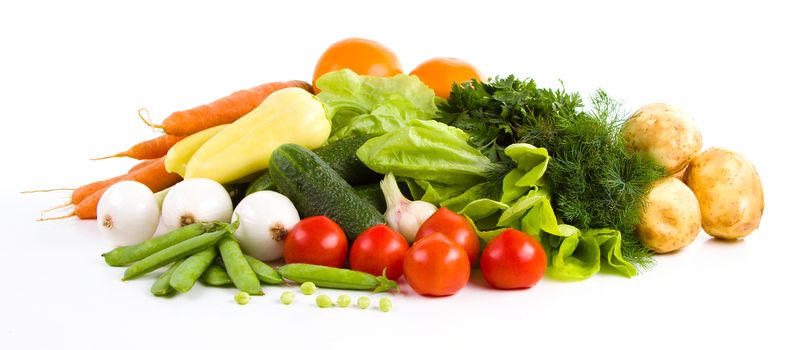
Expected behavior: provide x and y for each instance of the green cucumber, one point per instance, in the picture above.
(372, 193)
(340, 156)
(316, 189)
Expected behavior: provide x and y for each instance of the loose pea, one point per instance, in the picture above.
(344, 300)
(308, 288)
(287, 297)
(323, 301)
(364, 302)
(242, 298)
(385, 304)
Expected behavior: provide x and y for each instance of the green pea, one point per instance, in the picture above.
(287, 297)
(385, 304)
(363, 302)
(264, 272)
(215, 275)
(343, 300)
(189, 271)
(123, 256)
(323, 301)
(308, 288)
(237, 267)
(242, 298)
(332, 277)
(161, 286)
(173, 253)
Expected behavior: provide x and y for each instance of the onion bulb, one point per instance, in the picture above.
(403, 215)
(128, 213)
(196, 200)
(264, 217)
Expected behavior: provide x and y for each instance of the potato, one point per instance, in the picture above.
(729, 191)
(671, 218)
(667, 133)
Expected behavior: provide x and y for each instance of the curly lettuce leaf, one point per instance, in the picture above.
(366, 105)
(576, 255)
(426, 150)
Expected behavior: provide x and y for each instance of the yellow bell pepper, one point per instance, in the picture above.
(178, 156)
(291, 115)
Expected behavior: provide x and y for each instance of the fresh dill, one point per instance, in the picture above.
(595, 181)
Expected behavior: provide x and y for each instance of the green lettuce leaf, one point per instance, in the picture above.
(426, 150)
(575, 255)
(366, 105)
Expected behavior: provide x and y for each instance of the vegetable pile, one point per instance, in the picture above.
(382, 176)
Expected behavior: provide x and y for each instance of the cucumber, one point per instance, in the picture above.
(372, 193)
(340, 156)
(316, 189)
(261, 183)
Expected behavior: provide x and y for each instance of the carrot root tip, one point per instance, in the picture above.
(148, 119)
(48, 190)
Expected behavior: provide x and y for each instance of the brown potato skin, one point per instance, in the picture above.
(729, 191)
(671, 218)
(666, 133)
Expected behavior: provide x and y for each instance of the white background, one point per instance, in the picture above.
(73, 74)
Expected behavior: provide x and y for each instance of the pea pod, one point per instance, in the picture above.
(161, 286)
(332, 277)
(173, 253)
(123, 256)
(237, 267)
(215, 275)
(264, 272)
(189, 271)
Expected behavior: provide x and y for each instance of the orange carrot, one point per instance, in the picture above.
(149, 149)
(82, 192)
(153, 175)
(142, 164)
(222, 111)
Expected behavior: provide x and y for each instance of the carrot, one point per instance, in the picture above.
(153, 175)
(142, 164)
(222, 111)
(149, 149)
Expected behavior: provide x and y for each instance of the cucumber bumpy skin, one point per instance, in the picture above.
(316, 189)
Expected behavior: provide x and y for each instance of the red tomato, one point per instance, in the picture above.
(436, 265)
(364, 57)
(513, 260)
(378, 249)
(316, 240)
(456, 228)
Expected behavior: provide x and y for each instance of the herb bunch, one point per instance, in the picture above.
(595, 180)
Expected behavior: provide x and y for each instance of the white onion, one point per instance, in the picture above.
(196, 200)
(128, 213)
(264, 219)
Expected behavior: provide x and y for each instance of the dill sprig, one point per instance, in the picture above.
(596, 182)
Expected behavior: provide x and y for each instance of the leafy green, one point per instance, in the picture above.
(426, 150)
(576, 255)
(595, 181)
(366, 105)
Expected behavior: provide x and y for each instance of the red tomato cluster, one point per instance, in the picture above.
(438, 263)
